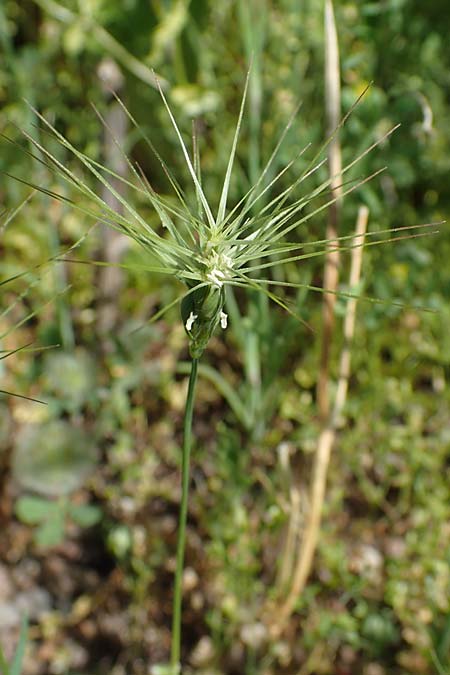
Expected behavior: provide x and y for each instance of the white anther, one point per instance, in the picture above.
(223, 320)
(190, 321)
(216, 276)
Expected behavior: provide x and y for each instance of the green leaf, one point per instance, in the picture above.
(33, 510)
(53, 458)
(51, 532)
(70, 377)
(85, 515)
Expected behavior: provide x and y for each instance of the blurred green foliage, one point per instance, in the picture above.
(51, 517)
(53, 457)
(378, 601)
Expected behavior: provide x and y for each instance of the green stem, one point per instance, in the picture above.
(177, 599)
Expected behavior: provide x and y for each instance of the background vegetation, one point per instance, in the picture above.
(90, 481)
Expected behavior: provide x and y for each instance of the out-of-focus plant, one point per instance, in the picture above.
(51, 517)
(57, 64)
(7, 326)
(53, 457)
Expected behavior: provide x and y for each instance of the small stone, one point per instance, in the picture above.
(203, 652)
(197, 601)
(395, 547)
(9, 616)
(33, 603)
(374, 669)
(254, 634)
(127, 506)
(190, 579)
(367, 561)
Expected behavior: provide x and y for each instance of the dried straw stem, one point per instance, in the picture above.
(113, 243)
(331, 273)
(326, 441)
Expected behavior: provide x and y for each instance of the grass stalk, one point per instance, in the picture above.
(181, 543)
(288, 558)
(113, 244)
(331, 274)
(253, 24)
(325, 443)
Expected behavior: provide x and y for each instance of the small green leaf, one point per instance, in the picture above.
(33, 510)
(51, 532)
(85, 515)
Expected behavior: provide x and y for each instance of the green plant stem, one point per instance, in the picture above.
(177, 598)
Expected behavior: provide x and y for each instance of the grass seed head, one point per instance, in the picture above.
(206, 253)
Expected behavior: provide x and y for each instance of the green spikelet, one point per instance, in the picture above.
(201, 312)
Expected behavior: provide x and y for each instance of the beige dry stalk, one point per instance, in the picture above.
(326, 441)
(113, 244)
(331, 273)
